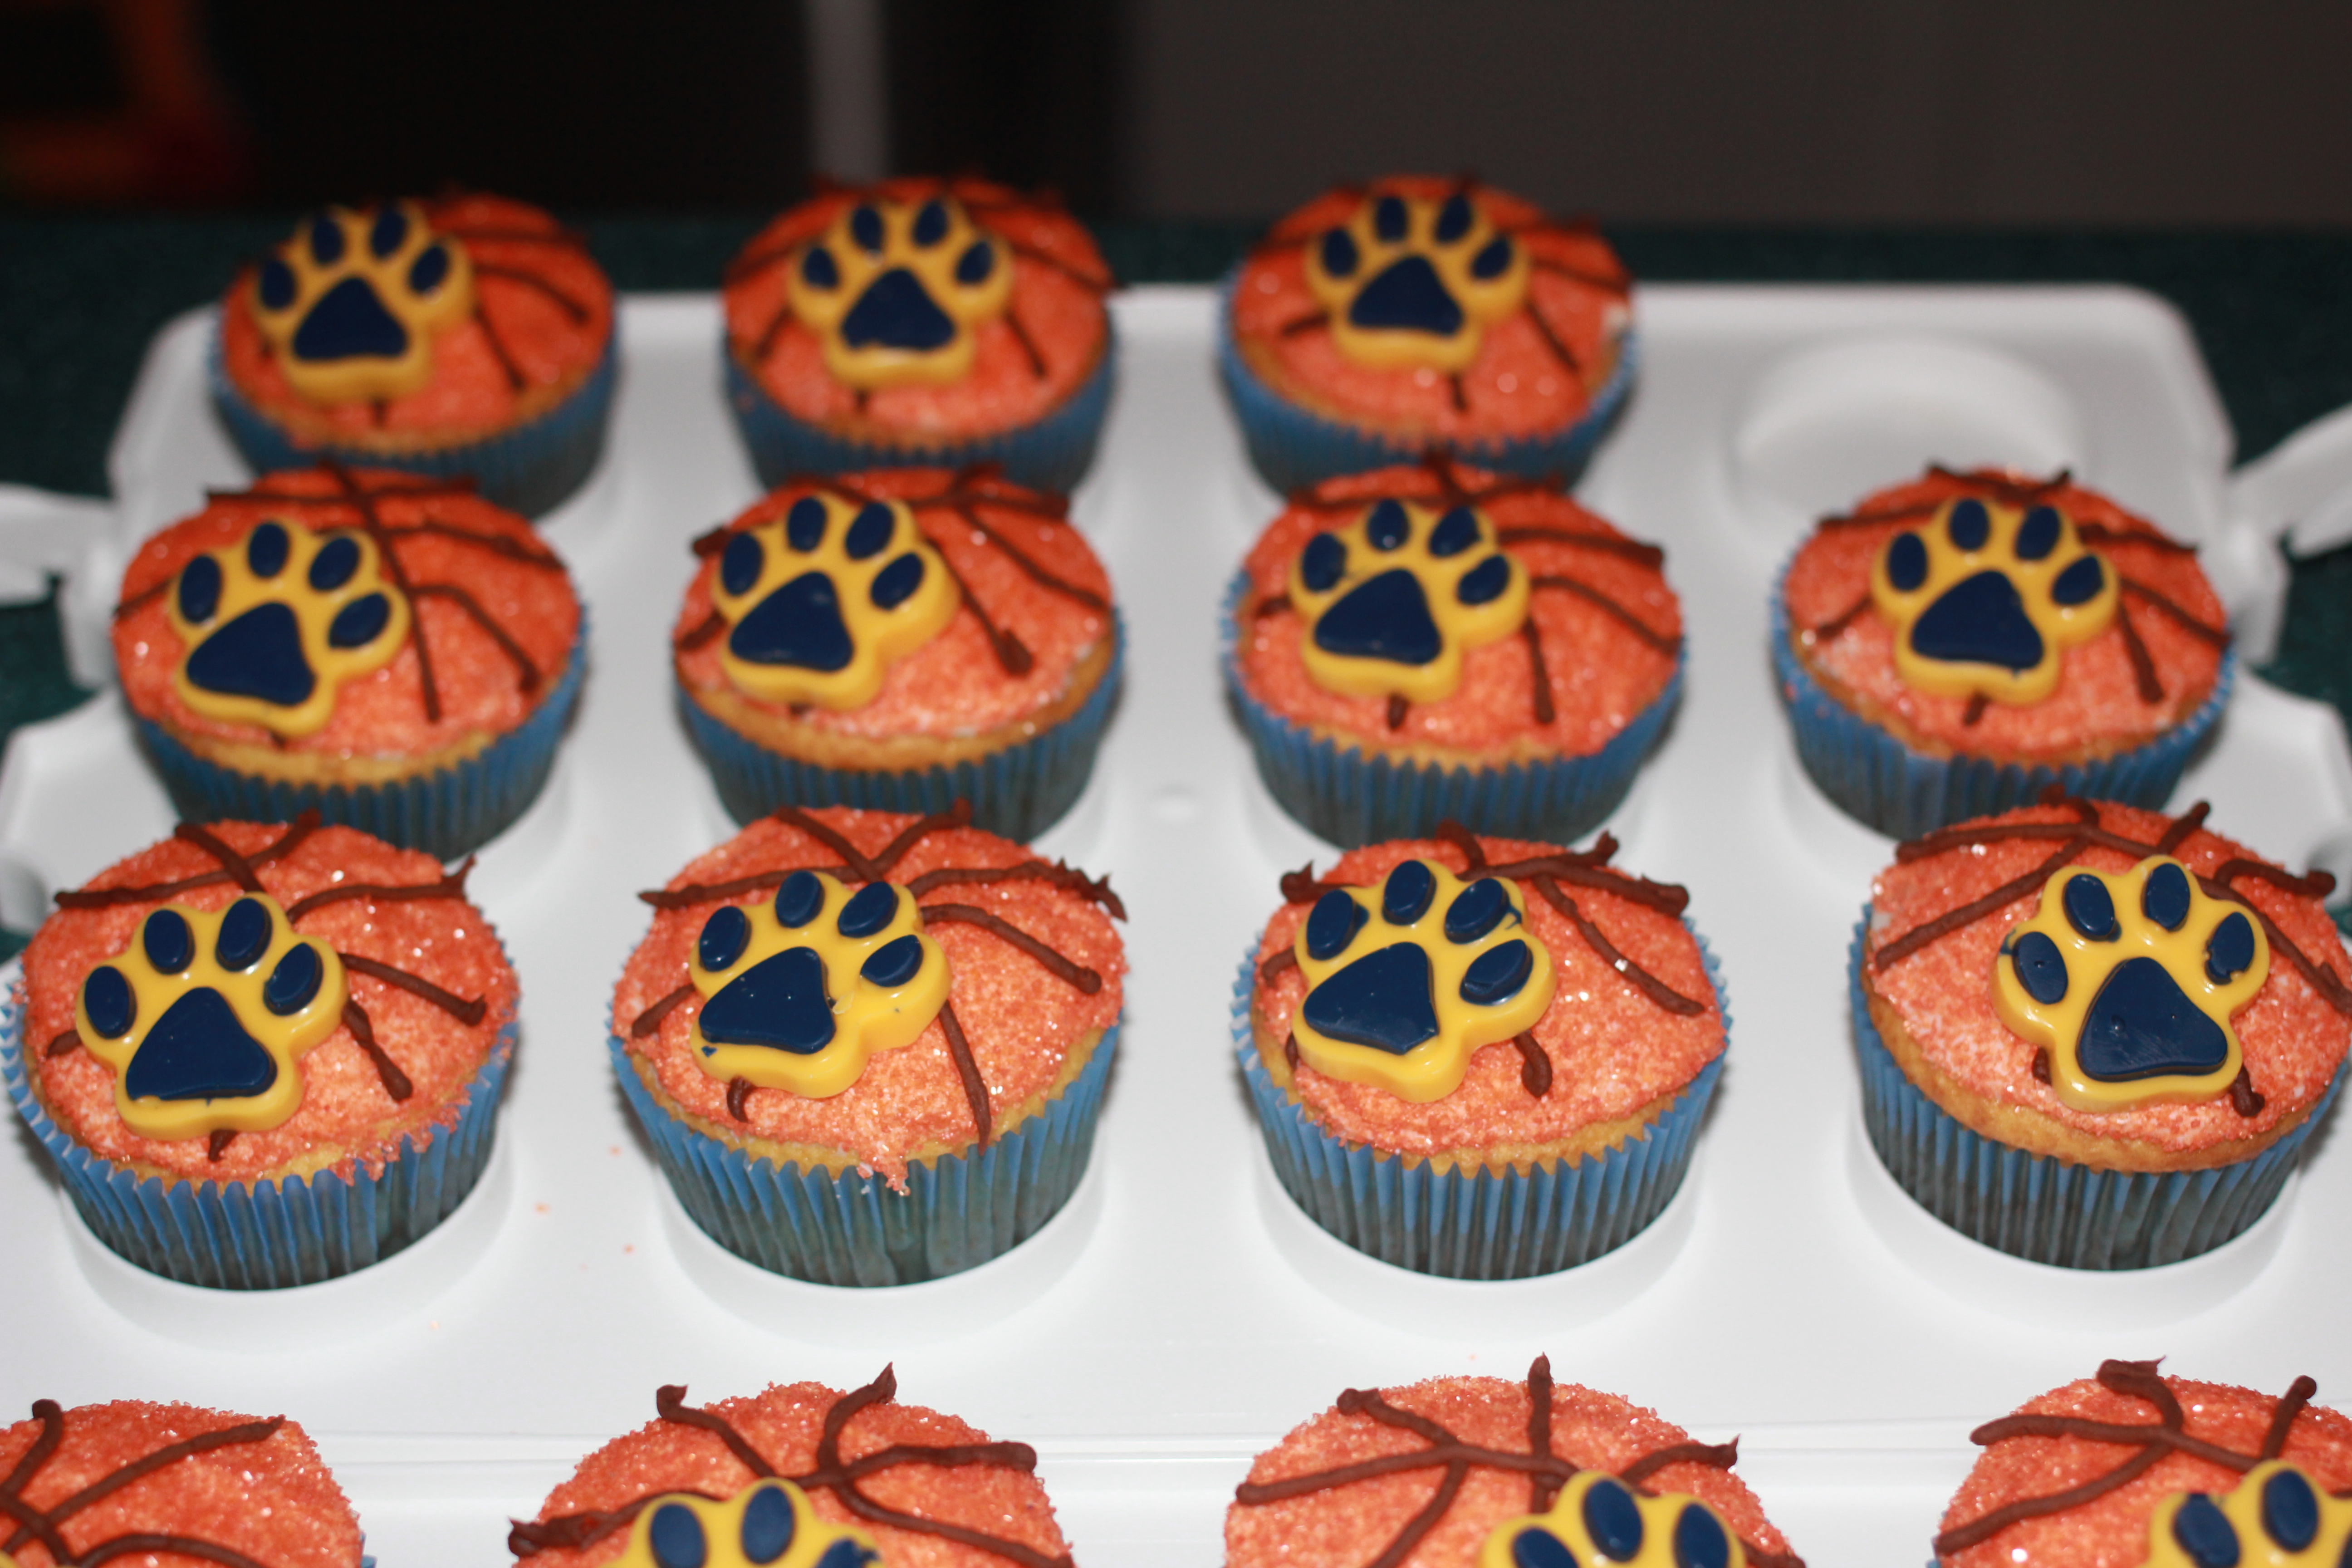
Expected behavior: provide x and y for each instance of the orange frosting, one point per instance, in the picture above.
(1602, 674)
(1059, 280)
(2111, 1532)
(1613, 1051)
(1520, 383)
(2293, 1039)
(1022, 1021)
(347, 1117)
(2097, 710)
(480, 687)
(1344, 1527)
(531, 343)
(955, 684)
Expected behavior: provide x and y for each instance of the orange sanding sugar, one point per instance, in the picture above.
(1059, 280)
(1601, 672)
(1613, 1051)
(2111, 1532)
(2294, 1040)
(1022, 1020)
(784, 1425)
(270, 1499)
(441, 536)
(1538, 370)
(346, 1116)
(2097, 709)
(543, 320)
(1355, 1523)
(956, 684)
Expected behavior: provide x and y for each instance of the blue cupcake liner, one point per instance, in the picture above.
(445, 813)
(1482, 1224)
(1884, 783)
(532, 468)
(1292, 448)
(2043, 1208)
(1051, 453)
(959, 1211)
(1341, 795)
(1017, 792)
(265, 1235)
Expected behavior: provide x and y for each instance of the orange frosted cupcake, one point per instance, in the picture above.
(262, 1055)
(1513, 1475)
(1477, 1056)
(463, 337)
(171, 1485)
(900, 640)
(920, 321)
(397, 654)
(2131, 1467)
(1955, 644)
(1432, 642)
(1378, 323)
(799, 1477)
(2093, 1035)
(870, 1048)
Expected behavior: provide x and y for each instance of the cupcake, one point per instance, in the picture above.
(1437, 642)
(900, 640)
(799, 1477)
(946, 1026)
(920, 321)
(1953, 645)
(1512, 1475)
(1479, 1058)
(465, 337)
(1378, 323)
(2093, 1036)
(395, 654)
(263, 1055)
(2131, 1467)
(169, 1484)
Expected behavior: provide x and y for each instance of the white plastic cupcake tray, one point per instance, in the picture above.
(1182, 1315)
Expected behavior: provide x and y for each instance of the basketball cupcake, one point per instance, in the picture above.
(1485, 1471)
(263, 1055)
(869, 1048)
(394, 653)
(1378, 323)
(920, 321)
(465, 337)
(1955, 644)
(1436, 642)
(900, 640)
(2093, 1036)
(2132, 1467)
(1479, 1058)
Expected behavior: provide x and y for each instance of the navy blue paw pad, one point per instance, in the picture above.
(845, 1554)
(1979, 620)
(799, 625)
(1541, 1549)
(677, 1537)
(768, 1525)
(259, 654)
(1382, 1000)
(1384, 618)
(2205, 1533)
(1333, 924)
(2290, 1510)
(1614, 1520)
(1498, 974)
(350, 323)
(897, 313)
(1699, 1540)
(779, 1002)
(2142, 1025)
(1408, 296)
(198, 1050)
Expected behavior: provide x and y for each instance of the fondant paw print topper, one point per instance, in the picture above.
(353, 301)
(895, 291)
(768, 1524)
(1414, 282)
(1599, 1522)
(2276, 1518)
(1394, 599)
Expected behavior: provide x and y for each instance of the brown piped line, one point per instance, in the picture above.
(1272, 605)
(63, 1044)
(1095, 890)
(753, 261)
(1973, 713)
(1538, 678)
(1398, 709)
(526, 672)
(2189, 822)
(2298, 1394)
(2212, 636)
(1634, 550)
(1290, 1051)
(1641, 979)
(1714, 1456)
(457, 1006)
(395, 1083)
(1300, 886)
(1616, 284)
(1085, 279)
(1910, 512)
(772, 334)
(1028, 344)
(669, 1404)
(1473, 854)
(301, 827)
(571, 307)
(2041, 1064)
(1843, 619)
(650, 1019)
(452, 885)
(2143, 677)
(705, 633)
(516, 380)
(956, 815)
(1633, 623)
(1085, 979)
(2243, 1100)
(1535, 1066)
(2101, 533)
(497, 544)
(975, 1091)
(240, 870)
(1669, 898)
(1461, 396)
(1568, 361)
(793, 816)
(365, 500)
(1542, 1489)
(739, 1098)
(1035, 572)
(1012, 655)
(145, 597)
(217, 1144)
(1278, 962)
(1920, 935)
(1300, 325)
(2318, 885)
(43, 1522)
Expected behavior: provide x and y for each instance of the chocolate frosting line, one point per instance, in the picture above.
(1473, 854)
(395, 1083)
(239, 870)
(137, 1470)
(1920, 935)
(1278, 962)
(187, 1545)
(1714, 1456)
(1297, 325)
(1535, 1069)
(301, 827)
(496, 543)
(2298, 1394)
(866, 870)
(1093, 889)
(527, 671)
(975, 1090)
(1843, 619)
(1085, 979)
(669, 1404)
(739, 1098)
(1641, 979)
(457, 1006)
(2101, 533)
(1999, 487)
(573, 308)
(650, 1019)
(371, 523)
(1559, 350)
(1607, 283)
(69, 1041)
(1012, 655)
(1538, 678)
(706, 631)
(2189, 822)
(1030, 566)
(1543, 1489)
(771, 333)
(1634, 550)
(147, 595)
(451, 886)
(2144, 677)
(2212, 636)
(1617, 612)
(1021, 335)
(2242, 1098)
(516, 380)
(1087, 281)
(1397, 708)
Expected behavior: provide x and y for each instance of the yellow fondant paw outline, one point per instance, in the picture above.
(2129, 981)
(821, 601)
(275, 625)
(1986, 599)
(1407, 981)
(1599, 1522)
(2278, 1517)
(203, 1016)
(1414, 282)
(894, 290)
(799, 991)
(1394, 599)
(353, 301)
(768, 1524)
